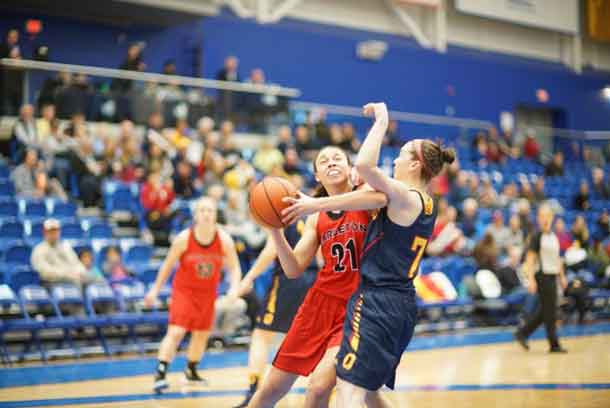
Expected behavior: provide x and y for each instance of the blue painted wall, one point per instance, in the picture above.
(321, 61)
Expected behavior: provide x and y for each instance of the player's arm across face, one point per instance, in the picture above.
(294, 262)
(231, 261)
(365, 198)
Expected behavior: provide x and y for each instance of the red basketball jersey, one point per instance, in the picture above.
(341, 236)
(200, 265)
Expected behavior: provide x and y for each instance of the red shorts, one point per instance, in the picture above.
(192, 309)
(317, 326)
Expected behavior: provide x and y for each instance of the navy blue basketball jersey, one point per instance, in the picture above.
(392, 252)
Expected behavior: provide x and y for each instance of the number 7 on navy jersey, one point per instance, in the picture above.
(418, 246)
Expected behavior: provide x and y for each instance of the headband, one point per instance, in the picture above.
(419, 153)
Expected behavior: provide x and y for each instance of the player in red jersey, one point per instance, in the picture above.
(312, 342)
(203, 251)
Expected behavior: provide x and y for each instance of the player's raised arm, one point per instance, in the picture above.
(294, 262)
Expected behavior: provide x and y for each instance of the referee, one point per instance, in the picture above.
(542, 265)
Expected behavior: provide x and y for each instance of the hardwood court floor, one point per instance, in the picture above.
(442, 371)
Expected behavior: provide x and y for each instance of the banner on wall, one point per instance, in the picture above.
(598, 19)
(546, 14)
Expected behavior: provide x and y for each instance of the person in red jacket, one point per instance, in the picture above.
(157, 198)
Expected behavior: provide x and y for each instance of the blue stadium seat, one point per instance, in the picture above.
(18, 254)
(101, 303)
(7, 189)
(138, 254)
(72, 231)
(9, 209)
(12, 230)
(19, 276)
(100, 231)
(64, 210)
(34, 209)
(36, 301)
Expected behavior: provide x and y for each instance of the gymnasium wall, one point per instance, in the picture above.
(320, 60)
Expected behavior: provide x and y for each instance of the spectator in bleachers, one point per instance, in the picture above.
(592, 157)
(599, 260)
(55, 260)
(156, 197)
(485, 253)
(226, 99)
(194, 152)
(480, 153)
(350, 142)
(184, 182)
(509, 195)
(524, 211)
(488, 197)
(44, 123)
(392, 137)
(306, 147)
(564, 237)
(228, 144)
(508, 274)
(113, 266)
(459, 190)
(257, 105)
(212, 165)
(318, 128)
(599, 186)
(447, 238)
(555, 167)
(516, 237)
(473, 185)
(469, 219)
(284, 136)
(89, 171)
(133, 62)
(180, 136)
(31, 180)
(580, 231)
(56, 154)
(153, 130)
(499, 231)
(240, 176)
(267, 157)
(581, 200)
(86, 258)
(157, 161)
(11, 79)
(539, 194)
(531, 148)
(24, 134)
(292, 164)
(494, 154)
(602, 226)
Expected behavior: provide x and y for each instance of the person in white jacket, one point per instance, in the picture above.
(56, 261)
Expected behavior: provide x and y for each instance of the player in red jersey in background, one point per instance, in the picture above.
(312, 342)
(202, 251)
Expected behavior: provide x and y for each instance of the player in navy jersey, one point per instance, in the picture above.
(282, 300)
(382, 313)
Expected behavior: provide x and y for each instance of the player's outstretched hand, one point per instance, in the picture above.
(301, 206)
(377, 110)
(151, 298)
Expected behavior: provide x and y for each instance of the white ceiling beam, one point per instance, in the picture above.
(239, 9)
(411, 25)
(282, 10)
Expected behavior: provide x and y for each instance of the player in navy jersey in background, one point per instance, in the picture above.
(381, 315)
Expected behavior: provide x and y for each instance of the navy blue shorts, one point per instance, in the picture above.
(282, 301)
(378, 327)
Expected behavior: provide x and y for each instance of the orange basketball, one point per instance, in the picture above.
(266, 203)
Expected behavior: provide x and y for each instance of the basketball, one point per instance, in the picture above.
(266, 203)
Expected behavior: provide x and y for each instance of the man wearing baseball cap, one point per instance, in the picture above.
(55, 260)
